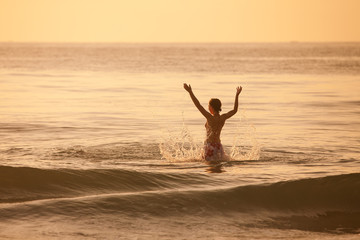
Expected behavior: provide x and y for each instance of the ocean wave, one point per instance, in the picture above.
(316, 204)
(329, 204)
(21, 184)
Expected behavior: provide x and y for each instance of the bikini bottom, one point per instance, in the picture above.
(214, 152)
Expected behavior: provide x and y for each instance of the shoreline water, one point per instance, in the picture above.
(82, 124)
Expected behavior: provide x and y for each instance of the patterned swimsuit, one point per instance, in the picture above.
(213, 152)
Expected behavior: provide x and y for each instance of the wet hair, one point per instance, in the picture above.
(215, 104)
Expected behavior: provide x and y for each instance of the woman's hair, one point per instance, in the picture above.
(215, 104)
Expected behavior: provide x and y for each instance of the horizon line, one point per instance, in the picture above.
(171, 42)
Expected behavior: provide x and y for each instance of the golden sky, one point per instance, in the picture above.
(179, 20)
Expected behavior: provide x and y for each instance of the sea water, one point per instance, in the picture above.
(101, 141)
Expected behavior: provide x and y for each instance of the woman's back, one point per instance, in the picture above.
(213, 127)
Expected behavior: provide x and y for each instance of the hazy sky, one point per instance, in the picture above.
(179, 20)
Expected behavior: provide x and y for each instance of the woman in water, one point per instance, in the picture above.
(213, 150)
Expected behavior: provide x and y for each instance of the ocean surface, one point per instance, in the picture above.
(101, 141)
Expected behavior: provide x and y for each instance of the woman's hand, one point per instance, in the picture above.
(238, 90)
(187, 87)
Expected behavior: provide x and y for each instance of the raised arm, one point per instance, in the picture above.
(236, 104)
(196, 101)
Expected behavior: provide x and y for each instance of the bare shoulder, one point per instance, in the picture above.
(228, 114)
(223, 117)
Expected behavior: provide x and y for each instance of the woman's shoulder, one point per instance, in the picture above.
(216, 119)
(223, 116)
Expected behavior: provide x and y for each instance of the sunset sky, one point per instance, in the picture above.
(179, 20)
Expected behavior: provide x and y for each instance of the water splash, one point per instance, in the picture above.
(245, 144)
(181, 146)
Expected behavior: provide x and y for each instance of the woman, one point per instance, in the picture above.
(213, 150)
